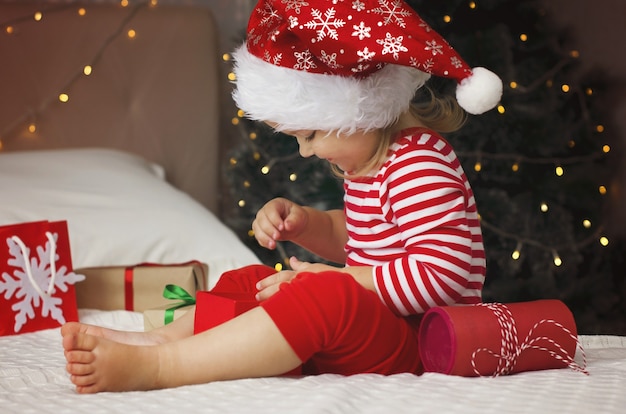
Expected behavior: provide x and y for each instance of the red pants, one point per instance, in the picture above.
(334, 324)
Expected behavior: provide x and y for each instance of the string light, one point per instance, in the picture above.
(604, 241)
(64, 96)
(559, 171)
(556, 259)
(544, 207)
(517, 253)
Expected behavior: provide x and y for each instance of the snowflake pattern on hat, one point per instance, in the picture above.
(349, 38)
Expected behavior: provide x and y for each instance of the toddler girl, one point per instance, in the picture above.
(339, 76)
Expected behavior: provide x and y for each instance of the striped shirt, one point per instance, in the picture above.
(417, 224)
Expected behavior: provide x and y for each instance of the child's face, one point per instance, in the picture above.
(348, 152)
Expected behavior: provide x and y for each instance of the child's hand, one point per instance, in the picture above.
(271, 284)
(278, 219)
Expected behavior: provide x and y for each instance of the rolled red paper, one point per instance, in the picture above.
(496, 339)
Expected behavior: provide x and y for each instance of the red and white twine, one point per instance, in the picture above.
(511, 348)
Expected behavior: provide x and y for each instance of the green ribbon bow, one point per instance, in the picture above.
(175, 292)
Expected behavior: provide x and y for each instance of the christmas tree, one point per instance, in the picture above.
(540, 165)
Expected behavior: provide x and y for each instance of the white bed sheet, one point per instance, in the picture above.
(33, 380)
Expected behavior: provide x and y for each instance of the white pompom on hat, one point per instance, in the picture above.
(346, 65)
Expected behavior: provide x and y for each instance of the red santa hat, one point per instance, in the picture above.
(342, 65)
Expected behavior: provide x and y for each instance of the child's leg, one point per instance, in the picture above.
(238, 280)
(339, 327)
(325, 317)
(178, 329)
(248, 346)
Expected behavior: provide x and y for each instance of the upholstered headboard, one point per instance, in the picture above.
(153, 88)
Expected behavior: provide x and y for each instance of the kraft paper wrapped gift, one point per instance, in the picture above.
(138, 287)
(213, 309)
(494, 339)
(156, 317)
(181, 302)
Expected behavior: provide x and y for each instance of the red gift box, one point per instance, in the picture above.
(497, 339)
(214, 308)
(37, 279)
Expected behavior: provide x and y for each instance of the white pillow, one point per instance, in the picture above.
(119, 209)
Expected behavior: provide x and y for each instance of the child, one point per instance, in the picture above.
(339, 76)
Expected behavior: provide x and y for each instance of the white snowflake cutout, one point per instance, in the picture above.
(18, 285)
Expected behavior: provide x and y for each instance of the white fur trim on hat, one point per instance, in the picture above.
(299, 100)
(479, 92)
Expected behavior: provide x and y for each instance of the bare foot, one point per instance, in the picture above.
(97, 364)
(124, 337)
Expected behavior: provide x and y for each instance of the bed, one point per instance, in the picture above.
(132, 162)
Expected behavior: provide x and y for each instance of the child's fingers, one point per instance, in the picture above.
(265, 233)
(263, 238)
(267, 292)
(271, 284)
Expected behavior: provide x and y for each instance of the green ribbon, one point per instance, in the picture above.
(175, 292)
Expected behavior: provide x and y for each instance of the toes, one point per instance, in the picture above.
(79, 370)
(70, 328)
(83, 381)
(80, 357)
(79, 341)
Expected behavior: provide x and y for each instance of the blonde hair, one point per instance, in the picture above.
(440, 113)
